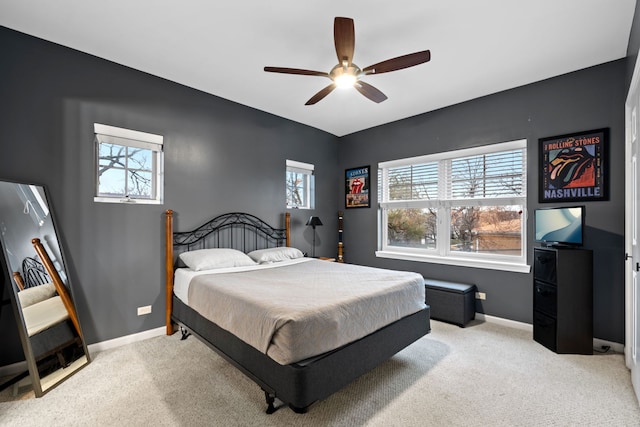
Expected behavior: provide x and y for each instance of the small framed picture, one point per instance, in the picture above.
(574, 167)
(357, 184)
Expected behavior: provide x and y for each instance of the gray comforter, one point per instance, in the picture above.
(302, 310)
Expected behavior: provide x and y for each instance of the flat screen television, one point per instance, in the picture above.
(559, 226)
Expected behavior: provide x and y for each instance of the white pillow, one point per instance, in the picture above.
(265, 256)
(207, 259)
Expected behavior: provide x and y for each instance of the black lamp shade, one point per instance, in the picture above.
(313, 221)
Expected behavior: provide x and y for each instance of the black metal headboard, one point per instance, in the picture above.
(34, 273)
(235, 230)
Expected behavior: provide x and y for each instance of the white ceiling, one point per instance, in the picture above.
(477, 47)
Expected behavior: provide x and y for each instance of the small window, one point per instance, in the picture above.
(300, 185)
(129, 166)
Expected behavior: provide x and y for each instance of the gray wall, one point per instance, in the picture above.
(584, 100)
(219, 157)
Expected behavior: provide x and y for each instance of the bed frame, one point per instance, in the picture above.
(297, 385)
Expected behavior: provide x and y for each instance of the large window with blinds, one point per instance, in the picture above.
(462, 207)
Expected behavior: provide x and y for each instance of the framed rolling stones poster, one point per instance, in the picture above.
(574, 167)
(357, 187)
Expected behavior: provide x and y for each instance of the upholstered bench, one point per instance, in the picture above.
(451, 302)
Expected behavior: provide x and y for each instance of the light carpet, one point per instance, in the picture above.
(482, 375)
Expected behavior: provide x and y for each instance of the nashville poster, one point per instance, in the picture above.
(573, 167)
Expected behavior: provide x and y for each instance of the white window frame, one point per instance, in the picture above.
(306, 169)
(442, 254)
(137, 139)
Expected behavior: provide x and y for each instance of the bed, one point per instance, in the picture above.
(321, 342)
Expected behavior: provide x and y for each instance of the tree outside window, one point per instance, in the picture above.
(457, 204)
(125, 171)
(299, 185)
(129, 165)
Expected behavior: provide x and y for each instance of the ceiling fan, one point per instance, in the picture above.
(346, 73)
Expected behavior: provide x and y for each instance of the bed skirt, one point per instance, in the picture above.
(301, 384)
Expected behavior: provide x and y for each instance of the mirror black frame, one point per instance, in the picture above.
(42, 384)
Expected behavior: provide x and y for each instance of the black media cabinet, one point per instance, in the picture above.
(563, 299)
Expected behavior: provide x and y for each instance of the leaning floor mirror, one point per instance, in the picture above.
(41, 296)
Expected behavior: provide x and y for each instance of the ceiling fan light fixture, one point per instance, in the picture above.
(345, 77)
(345, 81)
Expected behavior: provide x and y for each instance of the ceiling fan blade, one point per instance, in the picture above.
(369, 91)
(398, 63)
(344, 38)
(284, 70)
(318, 96)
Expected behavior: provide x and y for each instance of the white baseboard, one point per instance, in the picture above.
(597, 342)
(127, 339)
(504, 322)
(615, 346)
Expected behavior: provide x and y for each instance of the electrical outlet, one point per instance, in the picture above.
(144, 310)
(481, 295)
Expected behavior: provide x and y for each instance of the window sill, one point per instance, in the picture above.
(125, 201)
(460, 262)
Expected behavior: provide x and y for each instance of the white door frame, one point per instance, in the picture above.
(632, 317)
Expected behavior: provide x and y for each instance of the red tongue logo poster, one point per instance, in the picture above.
(357, 187)
(573, 167)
